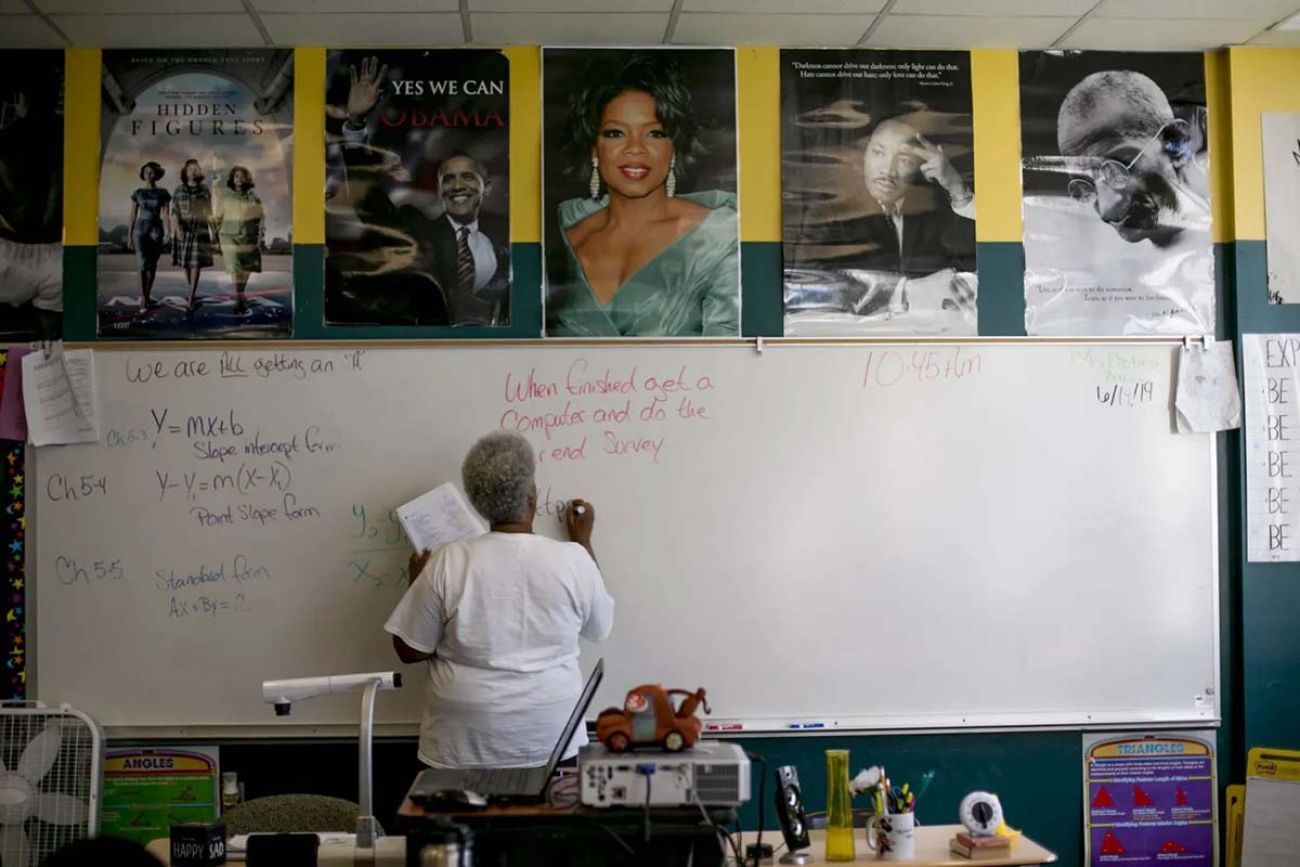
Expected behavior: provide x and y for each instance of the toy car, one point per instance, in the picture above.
(648, 719)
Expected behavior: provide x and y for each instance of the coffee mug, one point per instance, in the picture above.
(892, 836)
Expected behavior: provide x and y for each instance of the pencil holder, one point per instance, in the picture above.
(893, 836)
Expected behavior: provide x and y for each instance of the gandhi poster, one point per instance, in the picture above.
(1115, 158)
(639, 192)
(417, 211)
(194, 194)
(31, 195)
(877, 192)
(1281, 136)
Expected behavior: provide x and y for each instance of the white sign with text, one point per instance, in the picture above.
(1272, 446)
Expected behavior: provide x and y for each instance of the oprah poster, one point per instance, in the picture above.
(194, 202)
(639, 198)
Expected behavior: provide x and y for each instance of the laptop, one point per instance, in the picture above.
(507, 784)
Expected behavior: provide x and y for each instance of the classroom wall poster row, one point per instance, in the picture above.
(878, 192)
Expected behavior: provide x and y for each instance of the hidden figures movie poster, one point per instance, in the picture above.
(194, 194)
(417, 210)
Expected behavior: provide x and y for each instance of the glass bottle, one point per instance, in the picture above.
(839, 808)
(231, 791)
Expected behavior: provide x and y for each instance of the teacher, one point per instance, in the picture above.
(497, 618)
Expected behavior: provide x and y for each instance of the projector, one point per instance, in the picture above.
(712, 773)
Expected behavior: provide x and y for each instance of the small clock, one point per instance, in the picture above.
(981, 813)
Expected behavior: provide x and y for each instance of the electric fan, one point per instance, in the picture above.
(51, 760)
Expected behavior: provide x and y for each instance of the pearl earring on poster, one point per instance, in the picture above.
(595, 178)
(671, 183)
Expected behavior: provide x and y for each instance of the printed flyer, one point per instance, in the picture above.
(1149, 799)
(146, 791)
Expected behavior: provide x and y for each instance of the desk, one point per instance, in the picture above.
(931, 849)
(539, 834)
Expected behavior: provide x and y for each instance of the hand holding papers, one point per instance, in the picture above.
(439, 517)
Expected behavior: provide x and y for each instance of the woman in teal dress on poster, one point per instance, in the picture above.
(641, 257)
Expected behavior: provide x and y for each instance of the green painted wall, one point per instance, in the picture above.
(1270, 592)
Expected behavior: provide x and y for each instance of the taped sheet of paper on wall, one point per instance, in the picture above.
(1208, 399)
(59, 397)
(1271, 385)
(1281, 141)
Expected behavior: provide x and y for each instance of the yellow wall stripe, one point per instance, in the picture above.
(1262, 81)
(309, 146)
(525, 143)
(1218, 99)
(758, 126)
(81, 146)
(995, 91)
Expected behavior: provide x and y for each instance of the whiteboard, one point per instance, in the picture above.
(848, 536)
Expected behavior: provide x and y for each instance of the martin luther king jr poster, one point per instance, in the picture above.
(1115, 159)
(878, 192)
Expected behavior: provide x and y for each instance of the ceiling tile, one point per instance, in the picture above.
(664, 6)
(992, 7)
(160, 31)
(1266, 11)
(951, 31)
(562, 28)
(856, 7)
(393, 28)
(139, 7)
(351, 5)
(710, 28)
(27, 31)
(13, 7)
(1114, 34)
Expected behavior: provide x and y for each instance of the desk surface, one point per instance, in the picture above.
(931, 849)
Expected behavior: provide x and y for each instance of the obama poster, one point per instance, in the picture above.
(1115, 158)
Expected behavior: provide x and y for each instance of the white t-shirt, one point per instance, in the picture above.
(502, 614)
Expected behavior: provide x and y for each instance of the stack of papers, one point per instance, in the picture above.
(59, 397)
(439, 517)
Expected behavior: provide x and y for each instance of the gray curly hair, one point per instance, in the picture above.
(498, 476)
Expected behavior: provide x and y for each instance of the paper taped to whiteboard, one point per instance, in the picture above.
(1208, 399)
(59, 397)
